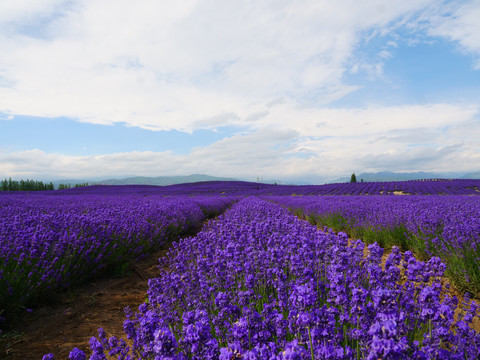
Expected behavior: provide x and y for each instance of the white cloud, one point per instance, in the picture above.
(385, 54)
(269, 66)
(367, 121)
(433, 139)
(460, 24)
(168, 65)
(22, 11)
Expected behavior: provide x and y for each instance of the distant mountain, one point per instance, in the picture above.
(385, 176)
(172, 180)
(145, 180)
(163, 180)
(472, 175)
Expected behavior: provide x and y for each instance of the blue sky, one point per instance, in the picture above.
(70, 137)
(296, 90)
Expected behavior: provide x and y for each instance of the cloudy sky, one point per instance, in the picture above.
(278, 89)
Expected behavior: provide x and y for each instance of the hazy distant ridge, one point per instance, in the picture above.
(163, 180)
(172, 180)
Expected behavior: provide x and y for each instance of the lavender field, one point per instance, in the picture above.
(433, 225)
(131, 226)
(50, 242)
(258, 282)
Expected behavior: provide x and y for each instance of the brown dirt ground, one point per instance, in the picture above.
(79, 313)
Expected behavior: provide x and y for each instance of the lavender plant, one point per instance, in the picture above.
(444, 226)
(259, 283)
(48, 243)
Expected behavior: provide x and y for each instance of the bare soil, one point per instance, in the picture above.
(79, 313)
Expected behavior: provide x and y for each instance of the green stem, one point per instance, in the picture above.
(310, 339)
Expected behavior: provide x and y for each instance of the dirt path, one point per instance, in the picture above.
(79, 313)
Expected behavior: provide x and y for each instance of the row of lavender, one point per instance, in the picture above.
(48, 243)
(241, 188)
(411, 187)
(259, 283)
(444, 226)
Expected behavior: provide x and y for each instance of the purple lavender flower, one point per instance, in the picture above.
(165, 343)
(258, 282)
(77, 354)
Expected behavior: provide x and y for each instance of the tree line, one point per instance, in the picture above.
(32, 185)
(68, 186)
(25, 185)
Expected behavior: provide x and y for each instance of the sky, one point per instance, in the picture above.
(303, 90)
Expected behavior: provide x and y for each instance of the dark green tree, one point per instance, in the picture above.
(353, 178)
(24, 185)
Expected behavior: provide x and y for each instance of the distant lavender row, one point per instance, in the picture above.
(445, 226)
(414, 187)
(258, 283)
(457, 217)
(51, 242)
